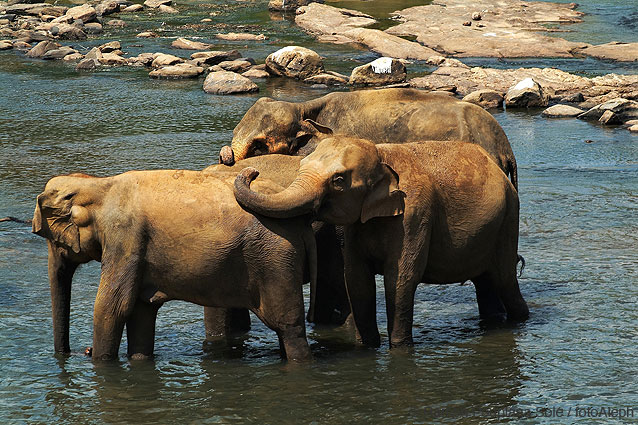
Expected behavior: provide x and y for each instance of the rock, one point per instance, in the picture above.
(573, 98)
(22, 45)
(526, 94)
(167, 9)
(116, 23)
(561, 111)
(622, 52)
(183, 43)
(621, 110)
(94, 53)
(86, 64)
(294, 62)
(41, 48)
(486, 98)
(513, 28)
(328, 79)
(110, 46)
(59, 53)
(238, 65)
(162, 59)
(6, 45)
(68, 32)
(93, 28)
(214, 57)
(180, 70)
(206, 20)
(381, 71)
(73, 57)
(112, 59)
(467, 24)
(287, 5)
(631, 122)
(32, 9)
(107, 7)
(85, 13)
(133, 8)
(633, 128)
(256, 73)
(476, 16)
(225, 82)
(233, 36)
(143, 59)
(146, 34)
(154, 4)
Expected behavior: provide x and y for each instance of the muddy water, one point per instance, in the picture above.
(579, 227)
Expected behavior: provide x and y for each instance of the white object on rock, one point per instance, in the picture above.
(382, 65)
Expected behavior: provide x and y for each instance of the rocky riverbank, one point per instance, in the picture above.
(484, 28)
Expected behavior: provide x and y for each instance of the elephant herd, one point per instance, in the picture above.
(397, 182)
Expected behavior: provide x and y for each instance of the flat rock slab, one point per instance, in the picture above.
(622, 52)
(234, 36)
(226, 82)
(183, 43)
(163, 59)
(507, 28)
(181, 70)
(562, 111)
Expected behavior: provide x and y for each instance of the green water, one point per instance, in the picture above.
(579, 235)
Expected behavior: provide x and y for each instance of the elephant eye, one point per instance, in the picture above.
(339, 182)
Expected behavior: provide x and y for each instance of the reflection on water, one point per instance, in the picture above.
(579, 234)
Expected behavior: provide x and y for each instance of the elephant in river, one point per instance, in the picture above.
(331, 305)
(394, 115)
(454, 217)
(172, 235)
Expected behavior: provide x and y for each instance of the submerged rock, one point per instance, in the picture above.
(226, 82)
(180, 70)
(382, 71)
(561, 111)
(526, 94)
(183, 43)
(294, 62)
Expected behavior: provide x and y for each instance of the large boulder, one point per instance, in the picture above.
(382, 71)
(85, 13)
(226, 82)
(526, 94)
(294, 62)
(183, 43)
(178, 71)
(615, 111)
(486, 98)
(561, 111)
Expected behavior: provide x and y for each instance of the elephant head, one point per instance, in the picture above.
(342, 182)
(64, 216)
(271, 126)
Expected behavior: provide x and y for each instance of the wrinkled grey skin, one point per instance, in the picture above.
(393, 115)
(171, 234)
(431, 212)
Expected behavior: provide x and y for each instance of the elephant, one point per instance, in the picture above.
(171, 235)
(454, 218)
(392, 115)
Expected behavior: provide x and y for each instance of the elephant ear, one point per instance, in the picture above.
(61, 227)
(309, 129)
(384, 198)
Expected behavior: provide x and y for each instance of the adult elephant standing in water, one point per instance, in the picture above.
(381, 116)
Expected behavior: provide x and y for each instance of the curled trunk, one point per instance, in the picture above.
(298, 199)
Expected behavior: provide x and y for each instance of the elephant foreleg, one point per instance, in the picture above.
(361, 288)
(399, 299)
(115, 301)
(224, 322)
(140, 330)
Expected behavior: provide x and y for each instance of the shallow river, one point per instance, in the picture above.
(579, 235)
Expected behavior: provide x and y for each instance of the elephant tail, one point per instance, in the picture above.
(522, 261)
(512, 168)
(311, 260)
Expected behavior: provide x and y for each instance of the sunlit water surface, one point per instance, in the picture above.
(578, 234)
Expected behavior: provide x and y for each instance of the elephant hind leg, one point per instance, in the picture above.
(140, 331)
(505, 285)
(225, 322)
(490, 306)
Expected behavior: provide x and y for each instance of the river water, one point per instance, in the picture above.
(579, 235)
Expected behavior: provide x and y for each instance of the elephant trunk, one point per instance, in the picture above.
(60, 277)
(298, 199)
